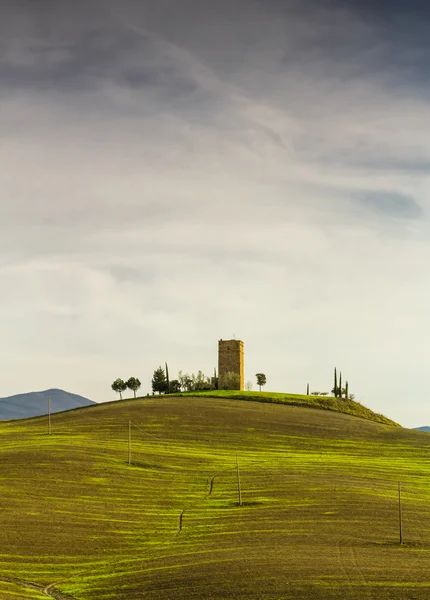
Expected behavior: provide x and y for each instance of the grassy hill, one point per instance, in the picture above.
(319, 516)
(348, 407)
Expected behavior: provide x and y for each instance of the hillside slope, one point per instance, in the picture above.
(318, 520)
(34, 404)
(349, 407)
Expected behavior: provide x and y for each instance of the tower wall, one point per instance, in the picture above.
(230, 360)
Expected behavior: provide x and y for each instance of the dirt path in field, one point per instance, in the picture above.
(22, 583)
(48, 590)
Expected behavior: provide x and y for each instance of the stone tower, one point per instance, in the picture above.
(230, 360)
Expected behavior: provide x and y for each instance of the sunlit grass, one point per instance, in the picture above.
(322, 402)
(314, 483)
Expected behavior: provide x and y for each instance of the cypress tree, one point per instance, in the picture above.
(167, 380)
(335, 383)
(340, 384)
(307, 390)
(346, 390)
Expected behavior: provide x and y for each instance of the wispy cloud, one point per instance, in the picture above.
(391, 204)
(173, 173)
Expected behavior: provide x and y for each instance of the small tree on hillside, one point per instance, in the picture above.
(261, 379)
(119, 386)
(185, 381)
(248, 386)
(229, 381)
(345, 392)
(175, 386)
(133, 384)
(158, 382)
(200, 382)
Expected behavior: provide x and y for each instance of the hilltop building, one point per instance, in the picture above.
(230, 360)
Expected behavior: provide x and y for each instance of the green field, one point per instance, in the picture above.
(319, 517)
(323, 402)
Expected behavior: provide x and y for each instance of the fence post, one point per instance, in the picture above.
(129, 442)
(400, 514)
(238, 481)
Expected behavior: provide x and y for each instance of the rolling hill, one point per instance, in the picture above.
(319, 513)
(349, 407)
(34, 404)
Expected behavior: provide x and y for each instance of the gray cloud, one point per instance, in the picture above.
(177, 172)
(391, 204)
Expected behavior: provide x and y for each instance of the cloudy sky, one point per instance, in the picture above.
(180, 171)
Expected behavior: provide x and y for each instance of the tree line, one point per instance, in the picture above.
(198, 382)
(162, 384)
(338, 390)
(119, 386)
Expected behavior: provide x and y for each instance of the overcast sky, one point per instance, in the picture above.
(180, 171)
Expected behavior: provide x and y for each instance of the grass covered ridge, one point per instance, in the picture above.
(349, 407)
(318, 521)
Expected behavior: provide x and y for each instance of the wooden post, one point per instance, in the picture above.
(129, 442)
(49, 416)
(400, 514)
(238, 481)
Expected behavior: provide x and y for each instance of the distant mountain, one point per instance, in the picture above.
(425, 428)
(35, 404)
